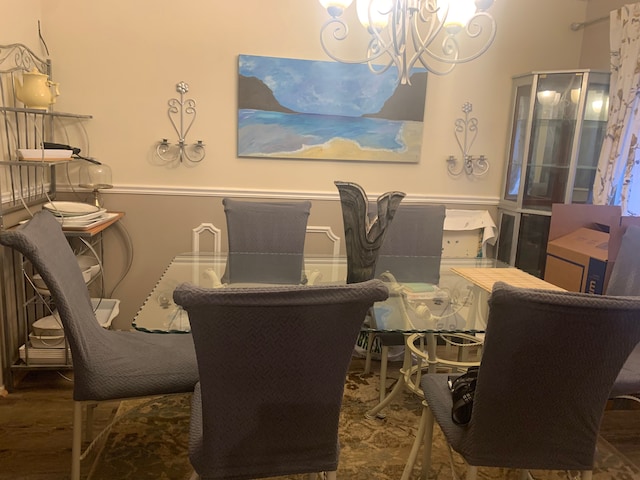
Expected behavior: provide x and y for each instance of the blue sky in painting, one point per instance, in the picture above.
(317, 87)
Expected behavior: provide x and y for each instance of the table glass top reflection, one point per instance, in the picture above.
(444, 302)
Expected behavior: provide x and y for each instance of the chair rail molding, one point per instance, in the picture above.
(284, 194)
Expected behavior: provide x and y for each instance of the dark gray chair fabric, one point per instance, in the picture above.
(266, 241)
(412, 247)
(107, 364)
(273, 362)
(625, 276)
(550, 359)
(412, 252)
(625, 281)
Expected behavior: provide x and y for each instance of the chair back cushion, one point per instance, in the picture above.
(43, 243)
(550, 359)
(107, 364)
(272, 364)
(412, 248)
(266, 241)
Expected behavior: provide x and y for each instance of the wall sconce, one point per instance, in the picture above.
(181, 151)
(466, 131)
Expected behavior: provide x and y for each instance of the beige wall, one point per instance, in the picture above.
(595, 47)
(120, 61)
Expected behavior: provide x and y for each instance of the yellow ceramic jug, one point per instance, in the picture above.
(35, 90)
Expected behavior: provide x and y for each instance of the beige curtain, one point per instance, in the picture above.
(619, 161)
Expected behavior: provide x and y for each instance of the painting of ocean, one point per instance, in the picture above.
(327, 111)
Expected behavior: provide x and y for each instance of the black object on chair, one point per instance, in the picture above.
(107, 364)
(272, 362)
(266, 241)
(550, 359)
(625, 281)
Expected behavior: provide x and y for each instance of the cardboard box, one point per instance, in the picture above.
(578, 261)
(567, 218)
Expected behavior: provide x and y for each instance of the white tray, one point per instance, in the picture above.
(44, 356)
(46, 155)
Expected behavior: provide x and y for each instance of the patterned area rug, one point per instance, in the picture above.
(151, 443)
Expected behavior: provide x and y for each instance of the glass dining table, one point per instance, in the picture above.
(457, 304)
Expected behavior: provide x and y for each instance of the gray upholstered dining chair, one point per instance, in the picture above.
(273, 362)
(625, 281)
(107, 364)
(411, 251)
(550, 359)
(266, 240)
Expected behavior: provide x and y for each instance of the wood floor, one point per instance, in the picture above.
(35, 428)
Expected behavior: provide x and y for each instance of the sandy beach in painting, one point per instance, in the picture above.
(341, 148)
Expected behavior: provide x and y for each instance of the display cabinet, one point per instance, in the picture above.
(558, 124)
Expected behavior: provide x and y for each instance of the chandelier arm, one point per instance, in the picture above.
(421, 44)
(337, 34)
(401, 38)
(473, 30)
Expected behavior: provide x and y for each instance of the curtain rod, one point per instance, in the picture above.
(580, 25)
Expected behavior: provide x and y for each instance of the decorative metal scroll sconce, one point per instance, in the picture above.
(181, 151)
(466, 131)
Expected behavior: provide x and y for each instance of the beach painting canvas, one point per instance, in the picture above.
(307, 109)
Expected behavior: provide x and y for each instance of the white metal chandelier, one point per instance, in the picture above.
(432, 34)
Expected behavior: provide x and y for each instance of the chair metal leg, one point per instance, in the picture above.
(420, 438)
(587, 475)
(88, 423)
(76, 446)
(367, 362)
(427, 440)
(332, 475)
(524, 474)
(384, 362)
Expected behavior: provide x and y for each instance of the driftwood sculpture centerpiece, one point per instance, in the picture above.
(364, 235)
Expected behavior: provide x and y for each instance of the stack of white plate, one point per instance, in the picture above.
(75, 214)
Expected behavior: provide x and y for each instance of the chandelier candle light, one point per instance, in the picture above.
(432, 34)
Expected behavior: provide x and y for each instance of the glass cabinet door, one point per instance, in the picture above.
(519, 132)
(594, 126)
(555, 115)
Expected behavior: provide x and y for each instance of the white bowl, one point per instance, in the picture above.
(46, 341)
(88, 265)
(49, 326)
